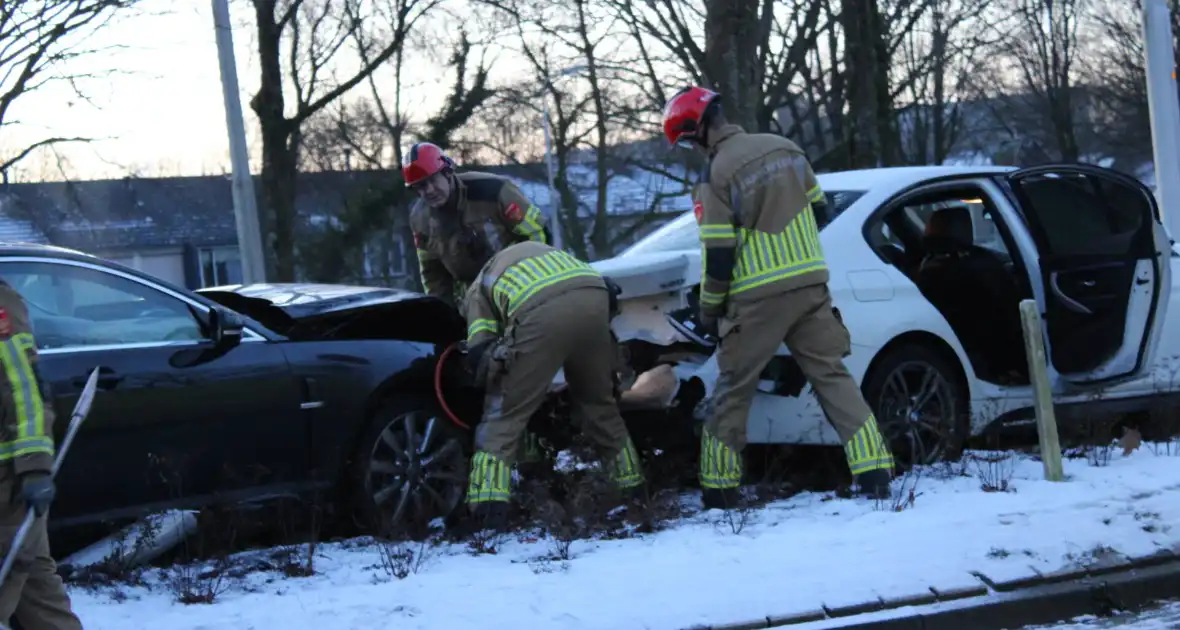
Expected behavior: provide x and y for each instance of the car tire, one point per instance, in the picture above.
(409, 468)
(921, 404)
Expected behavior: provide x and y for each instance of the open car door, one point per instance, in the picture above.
(1105, 268)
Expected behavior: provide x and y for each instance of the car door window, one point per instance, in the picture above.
(1081, 215)
(75, 307)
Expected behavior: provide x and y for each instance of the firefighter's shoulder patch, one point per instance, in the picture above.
(419, 240)
(5, 324)
(698, 210)
(513, 213)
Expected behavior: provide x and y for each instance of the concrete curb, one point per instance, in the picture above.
(1043, 599)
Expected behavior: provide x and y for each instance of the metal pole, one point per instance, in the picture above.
(1164, 106)
(554, 199)
(245, 204)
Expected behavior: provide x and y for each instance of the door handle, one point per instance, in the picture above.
(107, 379)
(311, 398)
(1067, 301)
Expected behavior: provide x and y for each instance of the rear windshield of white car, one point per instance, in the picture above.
(681, 233)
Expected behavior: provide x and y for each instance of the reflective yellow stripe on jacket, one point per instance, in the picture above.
(815, 195)
(763, 258)
(714, 232)
(532, 225)
(26, 400)
(524, 279)
(483, 325)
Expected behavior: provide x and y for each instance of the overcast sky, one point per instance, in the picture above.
(164, 111)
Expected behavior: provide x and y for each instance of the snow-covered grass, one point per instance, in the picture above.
(790, 556)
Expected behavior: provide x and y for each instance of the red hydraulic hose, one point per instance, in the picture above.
(438, 389)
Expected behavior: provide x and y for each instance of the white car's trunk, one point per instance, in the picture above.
(648, 274)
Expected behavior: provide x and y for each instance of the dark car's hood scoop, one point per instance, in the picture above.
(326, 311)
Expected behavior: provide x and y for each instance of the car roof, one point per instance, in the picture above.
(894, 178)
(12, 250)
(51, 251)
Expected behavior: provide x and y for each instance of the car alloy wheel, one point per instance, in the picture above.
(916, 409)
(416, 470)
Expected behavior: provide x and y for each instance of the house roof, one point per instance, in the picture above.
(140, 213)
(136, 213)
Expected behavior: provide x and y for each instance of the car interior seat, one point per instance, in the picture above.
(974, 291)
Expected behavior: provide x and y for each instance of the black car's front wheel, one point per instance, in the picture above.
(410, 468)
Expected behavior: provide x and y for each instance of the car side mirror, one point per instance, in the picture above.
(227, 327)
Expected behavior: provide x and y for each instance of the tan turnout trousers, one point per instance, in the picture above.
(568, 331)
(750, 336)
(33, 594)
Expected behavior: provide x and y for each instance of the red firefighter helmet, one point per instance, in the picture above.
(684, 111)
(423, 160)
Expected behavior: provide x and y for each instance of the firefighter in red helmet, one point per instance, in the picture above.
(765, 282)
(462, 219)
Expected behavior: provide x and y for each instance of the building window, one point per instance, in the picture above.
(220, 266)
(385, 257)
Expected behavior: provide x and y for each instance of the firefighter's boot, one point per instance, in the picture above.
(489, 516)
(721, 498)
(874, 484)
(488, 490)
(720, 474)
(870, 461)
(627, 473)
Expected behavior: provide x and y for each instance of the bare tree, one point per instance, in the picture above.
(752, 52)
(581, 65)
(301, 44)
(1115, 71)
(937, 55)
(367, 135)
(1032, 82)
(40, 40)
(540, 35)
(871, 140)
(899, 55)
(733, 34)
(347, 136)
(817, 72)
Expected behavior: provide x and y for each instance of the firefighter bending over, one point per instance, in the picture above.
(534, 310)
(765, 283)
(33, 594)
(462, 219)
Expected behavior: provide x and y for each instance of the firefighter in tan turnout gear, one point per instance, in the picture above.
(533, 310)
(32, 594)
(764, 282)
(462, 219)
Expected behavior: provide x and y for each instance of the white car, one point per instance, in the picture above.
(928, 266)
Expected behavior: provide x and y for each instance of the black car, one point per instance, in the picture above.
(241, 393)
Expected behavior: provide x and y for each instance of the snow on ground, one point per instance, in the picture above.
(791, 556)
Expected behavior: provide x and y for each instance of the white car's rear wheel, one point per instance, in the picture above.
(921, 404)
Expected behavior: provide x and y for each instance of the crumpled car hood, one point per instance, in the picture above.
(306, 311)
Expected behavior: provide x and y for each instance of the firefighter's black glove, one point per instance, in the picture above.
(37, 491)
(708, 324)
(475, 360)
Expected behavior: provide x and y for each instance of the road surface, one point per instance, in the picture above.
(1166, 617)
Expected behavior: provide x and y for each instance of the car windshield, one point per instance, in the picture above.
(680, 233)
